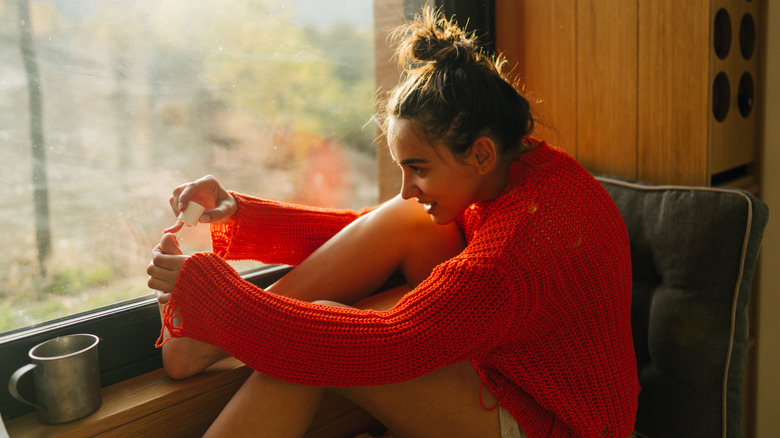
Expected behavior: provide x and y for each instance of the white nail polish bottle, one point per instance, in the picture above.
(191, 214)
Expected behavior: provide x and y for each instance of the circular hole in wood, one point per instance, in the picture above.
(720, 96)
(721, 33)
(745, 94)
(747, 36)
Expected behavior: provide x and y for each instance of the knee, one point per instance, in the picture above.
(331, 303)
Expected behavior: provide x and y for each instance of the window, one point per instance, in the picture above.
(134, 98)
(108, 105)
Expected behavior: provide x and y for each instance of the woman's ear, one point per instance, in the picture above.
(484, 154)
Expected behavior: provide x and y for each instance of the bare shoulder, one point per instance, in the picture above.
(409, 217)
(399, 212)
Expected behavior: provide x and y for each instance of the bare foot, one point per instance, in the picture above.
(184, 357)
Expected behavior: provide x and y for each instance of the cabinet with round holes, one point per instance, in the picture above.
(664, 91)
(733, 122)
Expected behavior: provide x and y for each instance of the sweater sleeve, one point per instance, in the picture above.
(276, 232)
(444, 320)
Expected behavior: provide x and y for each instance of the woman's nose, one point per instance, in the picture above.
(409, 190)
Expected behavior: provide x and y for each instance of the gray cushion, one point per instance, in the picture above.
(693, 254)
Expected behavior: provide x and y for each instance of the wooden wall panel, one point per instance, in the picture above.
(577, 60)
(538, 38)
(387, 15)
(673, 91)
(606, 64)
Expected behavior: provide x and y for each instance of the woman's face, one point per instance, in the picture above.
(432, 174)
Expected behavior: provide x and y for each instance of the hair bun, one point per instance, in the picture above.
(452, 91)
(430, 37)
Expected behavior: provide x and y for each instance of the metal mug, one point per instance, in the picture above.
(66, 378)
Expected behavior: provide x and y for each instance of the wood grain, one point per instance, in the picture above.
(538, 38)
(606, 86)
(155, 405)
(673, 91)
(147, 396)
(387, 15)
(188, 418)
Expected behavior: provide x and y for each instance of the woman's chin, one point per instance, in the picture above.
(441, 219)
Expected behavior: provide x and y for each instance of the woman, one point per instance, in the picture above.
(516, 319)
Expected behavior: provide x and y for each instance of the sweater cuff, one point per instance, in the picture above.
(250, 235)
(223, 234)
(200, 279)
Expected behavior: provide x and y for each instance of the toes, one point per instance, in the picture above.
(169, 245)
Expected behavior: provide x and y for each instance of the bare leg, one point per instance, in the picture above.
(346, 269)
(442, 403)
(265, 407)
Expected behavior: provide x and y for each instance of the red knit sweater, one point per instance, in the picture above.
(538, 301)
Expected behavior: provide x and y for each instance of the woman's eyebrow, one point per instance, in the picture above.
(413, 161)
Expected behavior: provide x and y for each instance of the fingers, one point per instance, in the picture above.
(204, 190)
(220, 205)
(167, 260)
(182, 194)
(224, 210)
(175, 228)
(163, 271)
(160, 280)
(163, 297)
(176, 200)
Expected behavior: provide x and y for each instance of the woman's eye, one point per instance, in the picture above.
(416, 170)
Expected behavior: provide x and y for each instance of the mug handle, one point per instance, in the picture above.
(15, 380)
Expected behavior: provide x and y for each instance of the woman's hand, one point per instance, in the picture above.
(163, 270)
(220, 205)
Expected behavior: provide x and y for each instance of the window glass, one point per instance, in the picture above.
(108, 105)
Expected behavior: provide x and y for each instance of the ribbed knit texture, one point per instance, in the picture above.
(539, 302)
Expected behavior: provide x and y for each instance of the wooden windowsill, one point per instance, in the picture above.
(155, 405)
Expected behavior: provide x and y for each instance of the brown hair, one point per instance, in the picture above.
(452, 89)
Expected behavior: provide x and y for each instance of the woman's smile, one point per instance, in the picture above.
(428, 206)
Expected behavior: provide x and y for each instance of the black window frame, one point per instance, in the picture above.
(127, 332)
(475, 15)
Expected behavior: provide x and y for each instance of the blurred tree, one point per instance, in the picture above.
(260, 61)
(39, 177)
(350, 99)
